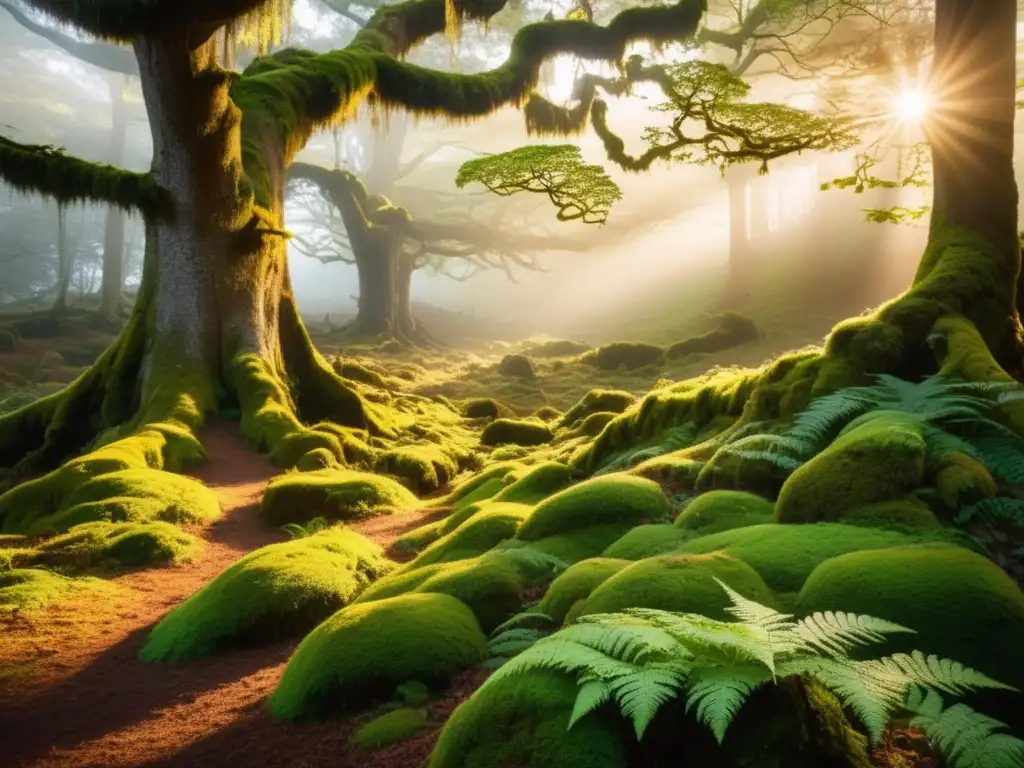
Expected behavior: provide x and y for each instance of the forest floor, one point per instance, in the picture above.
(73, 692)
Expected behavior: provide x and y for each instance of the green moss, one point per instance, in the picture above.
(581, 543)
(576, 583)
(682, 583)
(732, 329)
(426, 467)
(391, 728)
(610, 500)
(647, 541)
(522, 722)
(490, 585)
(961, 605)
(413, 693)
(486, 408)
(494, 523)
(785, 555)
(536, 483)
(594, 423)
(598, 401)
(30, 589)
(670, 469)
(547, 414)
(724, 510)
(556, 348)
(626, 355)
(472, 490)
(516, 432)
(962, 480)
(726, 470)
(876, 458)
(519, 366)
(907, 513)
(363, 651)
(279, 590)
(336, 494)
(92, 544)
(318, 458)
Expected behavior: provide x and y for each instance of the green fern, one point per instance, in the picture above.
(314, 526)
(518, 633)
(641, 658)
(967, 738)
(996, 512)
(674, 439)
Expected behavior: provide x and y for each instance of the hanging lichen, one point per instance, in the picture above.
(452, 28)
(264, 27)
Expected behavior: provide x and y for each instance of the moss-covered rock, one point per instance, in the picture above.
(609, 500)
(907, 513)
(648, 541)
(536, 483)
(576, 583)
(93, 544)
(731, 330)
(494, 523)
(598, 401)
(482, 485)
(728, 470)
(279, 590)
(318, 458)
(362, 652)
(785, 555)
(490, 585)
(556, 348)
(336, 494)
(30, 589)
(522, 722)
(519, 366)
(390, 728)
(486, 408)
(627, 355)
(962, 480)
(681, 583)
(547, 414)
(724, 510)
(516, 432)
(580, 543)
(876, 458)
(425, 467)
(593, 424)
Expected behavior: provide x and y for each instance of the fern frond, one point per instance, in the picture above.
(593, 693)
(751, 612)
(931, 671)
(1003, 457)
(836, 633)
(996, 511)
(826, 415)
(757, 428)
(719, 692)
(616, 636)
(674, 439)
(514, 641)
(781, 460)
(642, 693)
(967, 738)
(538, 617)
(294, 530)
(555, 652)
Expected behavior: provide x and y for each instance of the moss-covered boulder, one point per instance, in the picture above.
(682, 583)
(785, 555)
(547, 413)
(519, 366)
(878, 457)
(609, 500)
(486, 408)
(482, 485)
(491, 585)
(424, 467)
(598, 401)
(731, 329)
(536, 483)
(576, 584)
(593, 424)
(580, 543)
(526, 432)
(627, 355)
(648, 541)
(730, 470)
(390, 728)
(279, 590)
(31, 589)
(362, 652)
(336, 494)
(494, 523)
(962, 480)
(556, 348)
(92, 544)
(522, 722)
(907, 513)
(724, 510)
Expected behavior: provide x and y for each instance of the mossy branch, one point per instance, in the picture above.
(46, 170)
(113, 58)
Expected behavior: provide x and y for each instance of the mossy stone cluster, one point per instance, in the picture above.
(336, 494)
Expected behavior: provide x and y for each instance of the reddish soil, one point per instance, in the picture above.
(73, 693)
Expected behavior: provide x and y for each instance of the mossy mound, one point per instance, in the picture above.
(580, 543)
(279, 590)
(490, 585)
(785, 555)
(627, 355)
(732, 329)
(336, 494)
(876, 458)
(486, 408)
(726, 470)
(362, 652)
(547, 414)
(577, 583)
(482, 485)
(724, 510)
(609, 500)
(907, 513)
(962, 480)
(681, 583)
(536, 483)
(593, 424)
(526, 432)
(128, 495)
(648, 541)
(556, 348)
(318, 458)
(522, 722)
(519, 366)
(93, 544)
(494, 523)
(424, 467)
(30, 589)
(597, 401)
(961, 605)
(391, 728)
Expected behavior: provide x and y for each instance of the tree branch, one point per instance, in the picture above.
(113, 58)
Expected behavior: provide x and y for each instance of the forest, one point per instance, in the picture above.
(511, 383)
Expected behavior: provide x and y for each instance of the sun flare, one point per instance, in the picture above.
(911, 104)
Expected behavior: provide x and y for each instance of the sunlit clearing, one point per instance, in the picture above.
(911, 104)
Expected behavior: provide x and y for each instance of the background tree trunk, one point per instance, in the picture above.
(111, 291)
(65, 261)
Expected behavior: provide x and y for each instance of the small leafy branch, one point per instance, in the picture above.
(642, 658)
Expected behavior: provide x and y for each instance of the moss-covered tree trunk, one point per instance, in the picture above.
(112, 287)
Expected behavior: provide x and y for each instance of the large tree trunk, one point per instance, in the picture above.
(111, 292)
(65, 261)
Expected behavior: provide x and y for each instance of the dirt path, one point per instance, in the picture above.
(80, 697)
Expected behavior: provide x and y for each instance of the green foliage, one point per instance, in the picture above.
(577, 190)
(278, 590)
(362, 652)
(672, 439)
(996, 512)
(14, 399)
(314, 526)
(518, 633)
(335, 494)
(642, 658)
(968, 738)
(390, 728)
